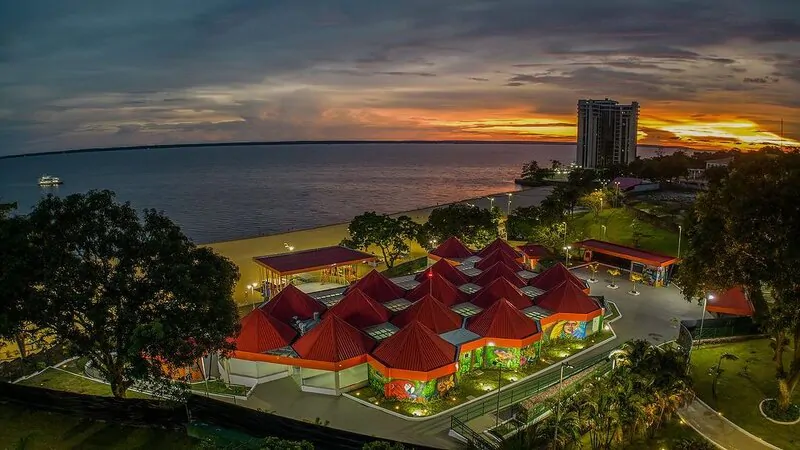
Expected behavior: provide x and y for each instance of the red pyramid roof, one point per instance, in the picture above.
(333, 340)
(445, 269)
(502, 321)
(497, 256)
(499, 270)
(441, 289)
(378, 287)
(534, 251)
(357, 309)
(499, 244)
(261, 333)
(501, 288)
(452, 248)
(292, 302)
(554, 276)
(415, 347)
(567, 298)
(733, 301)
(430, 312)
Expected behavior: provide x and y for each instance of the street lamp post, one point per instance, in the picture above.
(604, 231)
(508, 211)
(565, 233)
(703, 316)
(680, 233)
(558, 405)
(499, 379)
(491, 203)
(566, 254)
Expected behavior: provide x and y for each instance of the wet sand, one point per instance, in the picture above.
(242, 251)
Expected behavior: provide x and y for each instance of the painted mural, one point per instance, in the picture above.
(568, 329)
(411, 390)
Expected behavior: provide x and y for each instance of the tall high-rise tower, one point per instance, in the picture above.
(607, 133)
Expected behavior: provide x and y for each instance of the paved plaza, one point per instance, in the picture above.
(646, 316)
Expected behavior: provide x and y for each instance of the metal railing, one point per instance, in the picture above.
(476, 440)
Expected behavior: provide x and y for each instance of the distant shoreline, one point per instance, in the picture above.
(275, 143)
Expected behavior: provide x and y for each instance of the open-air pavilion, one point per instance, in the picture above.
(533, 253)
(655, 268)
(314, 270)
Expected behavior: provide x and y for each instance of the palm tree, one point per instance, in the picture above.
(716, 372)
(593, 268)
(635, 278)
(614, 272)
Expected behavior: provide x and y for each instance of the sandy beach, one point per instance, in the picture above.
(242, 251)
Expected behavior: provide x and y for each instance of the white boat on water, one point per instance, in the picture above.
(47, 180)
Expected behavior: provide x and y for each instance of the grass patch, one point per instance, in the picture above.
(742, 386)
(61, 380)
(219, 387)
(43, 430)
(618, 229)
(407, 268)
(668, 436)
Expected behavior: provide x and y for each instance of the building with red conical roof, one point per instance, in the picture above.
(498, 289)
(498, 256)
(378, 287)
(452, 250)
(292, 302)
(441, 289)
(554, 276)
(511, 338)
(430, 312)
(499, 270)
(502, 246)
(261, 332)
(446, 270)
(574, 314)
(360, 311)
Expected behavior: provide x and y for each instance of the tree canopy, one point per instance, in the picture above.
(133, 294)
(390, 235)
(532, 171)
(475, 226)
(745, 231)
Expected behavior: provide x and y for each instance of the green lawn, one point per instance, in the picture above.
(618, 229)
(742, 386)
(42, 430)
(665, 438)
(219, 387)
(65, 381)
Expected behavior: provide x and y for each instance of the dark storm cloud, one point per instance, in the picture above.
(134, 70)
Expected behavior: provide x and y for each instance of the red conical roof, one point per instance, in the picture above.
(733, 301)
(378, 287)
(498, 256)
(554, 276)
(501, 288)
(567, 298)
(499, 244)
(502, 321)
(534, 251)
(333, 340)
(415, 347)
(357, 309)
(440, 289)
(498, 270)
(430, 312)
(291, 302)
(445, 269)
(261, 333)
(452, 248)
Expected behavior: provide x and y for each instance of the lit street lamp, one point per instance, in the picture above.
(680, 233)
(565, 233)
(566, 254)
(499, 379)
(288, 247)
(491, 203)
(558, 405)
(703, 317)
(508, 211)
(604, 231)
(433, 243)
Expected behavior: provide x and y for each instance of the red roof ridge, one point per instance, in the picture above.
(312, 259)
(359, 309)
(553, 276)
(290, 302)
(495, 256)
(499, 244)
(501, 288)
(261, 332)
(567, 298)
(378, 287)
(499, 270)
(452, 247)
(502, 320)
(441, 289)
(445, 269)
(415, 347)
(333, 340)
(430, 312)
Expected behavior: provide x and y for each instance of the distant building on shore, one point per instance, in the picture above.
(607, 133)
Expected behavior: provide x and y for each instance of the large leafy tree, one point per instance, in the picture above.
(523, 221)
(133, 294)
(390, 235)
(532, 171)
(475, 226)
(746, 231)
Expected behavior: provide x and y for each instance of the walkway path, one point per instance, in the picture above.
(720, 430)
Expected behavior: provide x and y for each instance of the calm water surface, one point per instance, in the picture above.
(222, 193)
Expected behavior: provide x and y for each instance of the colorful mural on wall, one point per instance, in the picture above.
(568, 329)
(411, 390)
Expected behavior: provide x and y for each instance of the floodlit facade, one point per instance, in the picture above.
(607, 133)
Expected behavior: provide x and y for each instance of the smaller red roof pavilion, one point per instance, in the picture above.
(568, 302)
(499, 270)
(446, 270)
(503, 321)
(440, 289)
(498, 289)
(333, 340)
(378, 287)
(534, 251)
(261, 333)
(430, 312)
(416, 348)
(629, 253)
(734, 301)
(357, 309)
(452, 249)
(291, 302)
(311, 260)
(554, 276)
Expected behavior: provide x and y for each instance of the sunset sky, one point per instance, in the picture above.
(96, 73)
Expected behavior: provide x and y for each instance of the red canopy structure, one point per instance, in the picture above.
(415, 348)
(499, 270)
(554, 276)
(430, 312)
(629, 253)
(378, 287)
(357, 309)
(501, 245)
(446, 270)
(568, 302)
(441, 289)
(311, 260)
(292, 302)
(502, 320)
(261, 332)
(534, 251)
(498, 256)
(452, 249)
(498, 289)
(333, 340)
(734, 301)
